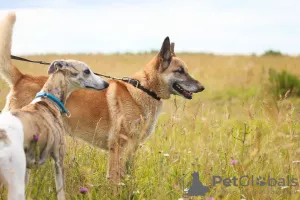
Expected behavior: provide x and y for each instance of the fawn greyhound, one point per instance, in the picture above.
(107, 118)
(38, 127)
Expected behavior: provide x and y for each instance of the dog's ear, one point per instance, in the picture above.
(54, 66)
(172, 49)
(165, 53)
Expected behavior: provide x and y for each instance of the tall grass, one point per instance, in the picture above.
(284, 83)
(235, 118)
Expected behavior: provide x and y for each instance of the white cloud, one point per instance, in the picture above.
(194, 26)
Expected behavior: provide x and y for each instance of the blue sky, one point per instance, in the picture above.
(91, 26)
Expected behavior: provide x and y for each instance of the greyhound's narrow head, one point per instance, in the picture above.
(78, 74)
(174, 73)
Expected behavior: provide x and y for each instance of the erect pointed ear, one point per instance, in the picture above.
(54, 66)
(165, 53)
(172, 49)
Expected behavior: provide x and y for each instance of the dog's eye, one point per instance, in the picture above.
(87, 71)
(180, 70)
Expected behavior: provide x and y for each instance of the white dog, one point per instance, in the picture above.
(12, 157)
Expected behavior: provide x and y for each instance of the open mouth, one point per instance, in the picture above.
(89, 87)
(186, 94)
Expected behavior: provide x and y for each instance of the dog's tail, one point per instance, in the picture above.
(8, 72)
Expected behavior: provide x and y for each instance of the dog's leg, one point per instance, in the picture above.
(59, 172)
(59, 180)
(15, 176)
(114, 164)
(119, 152)
(27, 176)
(16, 190)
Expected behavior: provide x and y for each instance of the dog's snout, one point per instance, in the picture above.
(106, 84)
(200, 87)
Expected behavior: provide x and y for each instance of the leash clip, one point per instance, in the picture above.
(137, 83)
(68, 114)
(134, 82)
(125, 78)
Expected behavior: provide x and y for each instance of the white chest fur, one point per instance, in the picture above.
(152, 117)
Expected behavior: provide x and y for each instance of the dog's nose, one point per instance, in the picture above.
(201, 88)
(106, 84)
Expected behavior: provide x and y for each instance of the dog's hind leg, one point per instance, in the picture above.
(114, 172)
(119, 152)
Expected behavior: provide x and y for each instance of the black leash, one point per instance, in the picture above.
(134, 82)
(26, 60)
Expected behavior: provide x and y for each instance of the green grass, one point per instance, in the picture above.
(197, 140)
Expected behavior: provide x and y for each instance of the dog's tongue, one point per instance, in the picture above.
(187, 94)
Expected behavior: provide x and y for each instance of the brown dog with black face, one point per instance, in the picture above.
(110, 119)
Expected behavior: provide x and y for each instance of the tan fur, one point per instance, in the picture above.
(9, 73)
(111, 119)
(44, 120)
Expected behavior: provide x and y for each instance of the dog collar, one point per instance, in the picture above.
(137, 84)
(54, 99)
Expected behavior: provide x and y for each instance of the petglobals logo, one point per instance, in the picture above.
(252, 180)
(197, 188)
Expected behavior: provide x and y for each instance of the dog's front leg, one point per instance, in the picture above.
(27, 176)
(59, 176)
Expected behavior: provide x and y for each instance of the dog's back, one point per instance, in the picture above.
(12, 156)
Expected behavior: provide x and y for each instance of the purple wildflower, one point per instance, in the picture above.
(234, 162)
(36, 138)
(83, 190)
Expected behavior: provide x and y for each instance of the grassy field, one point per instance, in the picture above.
(234, 128)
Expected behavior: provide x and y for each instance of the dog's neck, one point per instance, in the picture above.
(57, 86)
(149, 79)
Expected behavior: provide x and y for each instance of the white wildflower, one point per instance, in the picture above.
(121, 184)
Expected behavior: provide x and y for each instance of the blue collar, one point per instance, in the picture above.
(54, 99)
